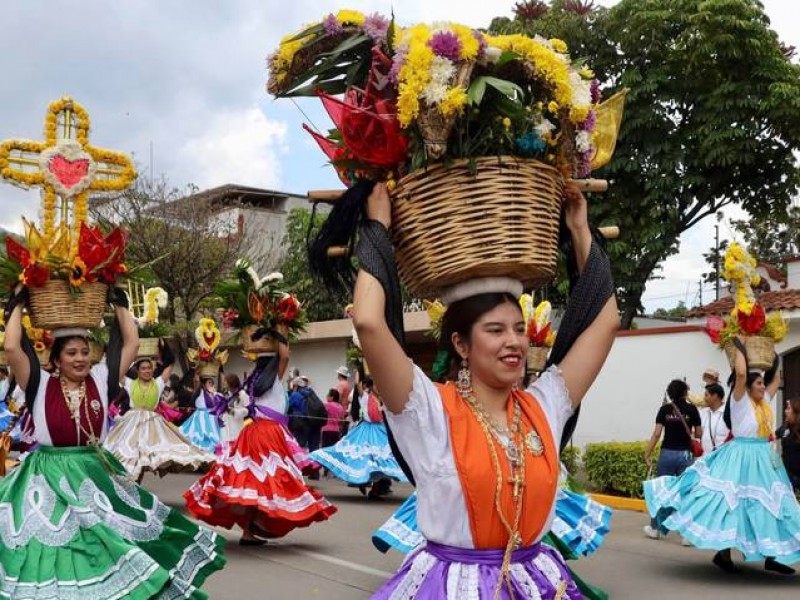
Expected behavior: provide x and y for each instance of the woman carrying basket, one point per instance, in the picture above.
(72, 522)
(480, 447)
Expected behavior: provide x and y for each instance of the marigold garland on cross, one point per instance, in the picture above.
(66, 166)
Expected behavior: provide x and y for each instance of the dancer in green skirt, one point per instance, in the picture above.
(73, 524)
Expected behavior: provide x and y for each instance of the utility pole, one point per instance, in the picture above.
(700, 291)
(716, 256)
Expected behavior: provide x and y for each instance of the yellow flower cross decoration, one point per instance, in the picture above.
(66, 166)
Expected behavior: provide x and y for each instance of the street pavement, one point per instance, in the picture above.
(335, 560)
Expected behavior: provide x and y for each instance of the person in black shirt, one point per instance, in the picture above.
(675, 419)
(789, 435)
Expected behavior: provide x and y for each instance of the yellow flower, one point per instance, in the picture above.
(454, 101)
(552, 106)
(350, 16)
(558, 45)
(391, 184)
(506, 122)
(77, 273)
(435, 310)
(550, 339)
(526, 304)
(586, 73)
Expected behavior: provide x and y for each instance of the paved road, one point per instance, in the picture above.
(335, 560)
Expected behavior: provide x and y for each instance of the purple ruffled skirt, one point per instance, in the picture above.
(438, 572)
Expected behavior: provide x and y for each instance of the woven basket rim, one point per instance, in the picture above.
(461, 163)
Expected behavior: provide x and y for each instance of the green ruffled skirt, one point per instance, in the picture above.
(73, 525)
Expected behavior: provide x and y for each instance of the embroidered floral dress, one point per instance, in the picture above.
(142, 440)
(258, 483)
(74, 525)
(736, 497)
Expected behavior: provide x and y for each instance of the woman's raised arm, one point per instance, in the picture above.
(17, 359)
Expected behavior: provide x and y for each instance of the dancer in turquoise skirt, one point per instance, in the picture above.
(739, 496)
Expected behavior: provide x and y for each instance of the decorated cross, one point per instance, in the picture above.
(65, 166)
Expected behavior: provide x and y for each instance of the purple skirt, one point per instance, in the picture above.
(438, 572)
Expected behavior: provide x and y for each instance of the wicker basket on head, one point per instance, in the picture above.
(208, 369)
(537, 358)
(760, 351)
(52, 306)
(450, 226)
(96, 351)
(148, 347)
(265, 345)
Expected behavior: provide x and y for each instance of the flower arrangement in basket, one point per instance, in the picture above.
(747, 320)
(539, 330)
(66, 264)
(259, 308)
(466, 127)
(41, 339)
(150, 330)
(207, 358)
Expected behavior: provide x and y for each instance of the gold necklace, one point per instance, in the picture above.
(516, 460)
(74, 399)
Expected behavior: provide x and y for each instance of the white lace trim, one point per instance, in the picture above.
(195, 557)
(409, 586)
(525, 581)
(549, 569)
(294, 505)
(268, 466)
(88, 508)
(357, 474)
(359, 451)
(126, 575)
(401, 532)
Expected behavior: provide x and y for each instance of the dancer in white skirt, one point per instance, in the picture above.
(143, 440)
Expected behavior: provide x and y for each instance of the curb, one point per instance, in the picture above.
(620, 503)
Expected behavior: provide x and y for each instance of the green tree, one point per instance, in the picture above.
(676, 313)
(771, 239)
(318, 303)
(712, 119)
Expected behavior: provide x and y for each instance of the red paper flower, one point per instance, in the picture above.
(713, 327)
(35, 275)
(753, 323)
(288, 309)
(16, 251)
(204, 355)
(103, 255)
(537, 337)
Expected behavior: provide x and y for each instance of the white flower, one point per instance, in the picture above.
(242, 263)
(583, 141)
(251, 272)
(493, 54)
(274, 277)
(442, 70)
(434, 92)
(545, 127)
(581, 89)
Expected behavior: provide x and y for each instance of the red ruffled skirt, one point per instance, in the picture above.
(257, 484)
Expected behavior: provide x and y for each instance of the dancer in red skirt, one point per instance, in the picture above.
(258, 485)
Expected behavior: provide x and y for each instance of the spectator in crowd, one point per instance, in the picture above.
(789, 435)
(296, 411)
(679, 422)
(331, 431)
(715, 431)
(343, 386)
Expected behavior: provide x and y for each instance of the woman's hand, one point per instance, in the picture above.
(575, 208)
(379, 206)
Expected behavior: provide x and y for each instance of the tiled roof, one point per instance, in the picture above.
(778, 300)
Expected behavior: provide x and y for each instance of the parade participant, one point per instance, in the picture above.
(712, 423)
(740, 496)
(789, 435)
(86, 501)
(202, 428)
(484, 455)
(142, 440)
(236, 410)
(363, 457)
(679, 422)
(258, 485)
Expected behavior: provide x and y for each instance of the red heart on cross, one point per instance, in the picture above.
(68, 172)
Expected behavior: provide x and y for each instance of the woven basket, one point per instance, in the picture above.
(450, 226)
(96, 352)
(760, 351)
(266, 345)
(147, 347)
(537, 358)
(208, 369)
(53, 307)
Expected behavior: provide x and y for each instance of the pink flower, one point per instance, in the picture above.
(594, 89)
(376, 26)
(331, 25)
(446, 44)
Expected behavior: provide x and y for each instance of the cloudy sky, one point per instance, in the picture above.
(186, 78)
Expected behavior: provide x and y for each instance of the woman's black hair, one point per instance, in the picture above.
(677, 390)
(333, 394)
(459, 318)
(794, 428)
(60, 342)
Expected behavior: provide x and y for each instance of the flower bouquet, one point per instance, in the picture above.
(41, 339)
(207, 358)
(747, 320)
(474, 132)
(539, 329)
(259, 308)
(150, 330)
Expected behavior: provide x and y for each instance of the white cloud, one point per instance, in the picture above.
(237, 147)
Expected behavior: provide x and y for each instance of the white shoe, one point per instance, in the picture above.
(653, 534)
(685, 542)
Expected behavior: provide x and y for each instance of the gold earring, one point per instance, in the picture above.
(464, 379)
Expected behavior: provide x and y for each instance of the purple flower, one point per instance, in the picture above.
(585, 166)
(594, 89)
(376, 26)
(481, 43)
(589, 123)
(331, 25)
(399, 59)
(446, 44)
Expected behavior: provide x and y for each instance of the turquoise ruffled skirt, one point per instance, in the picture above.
(736, 497)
